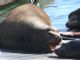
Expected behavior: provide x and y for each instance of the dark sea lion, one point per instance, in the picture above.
(28, 28)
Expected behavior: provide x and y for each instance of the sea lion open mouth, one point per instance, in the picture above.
(52, 44)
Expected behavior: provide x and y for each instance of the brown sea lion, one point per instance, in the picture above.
(28, 28)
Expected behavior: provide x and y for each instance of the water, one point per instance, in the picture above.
(59, 10)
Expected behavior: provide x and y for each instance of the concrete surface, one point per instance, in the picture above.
(19, 56)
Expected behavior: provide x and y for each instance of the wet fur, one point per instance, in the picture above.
(27, 28)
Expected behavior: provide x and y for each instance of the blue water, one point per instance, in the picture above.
(59, 10)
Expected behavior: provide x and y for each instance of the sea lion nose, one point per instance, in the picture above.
(55, 36)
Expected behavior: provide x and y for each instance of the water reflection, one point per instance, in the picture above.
(59, 13)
